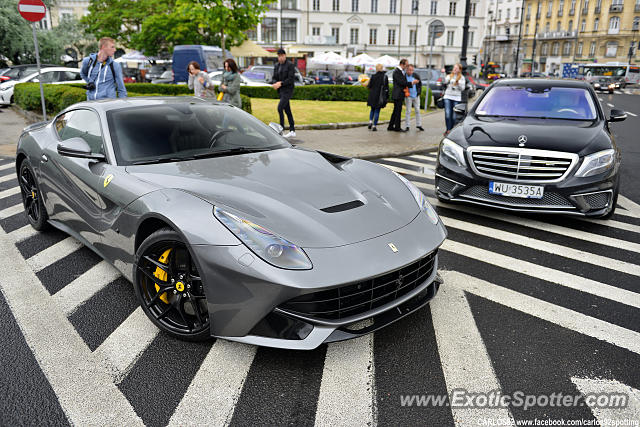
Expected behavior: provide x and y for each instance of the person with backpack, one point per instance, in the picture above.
(102, 74)
(378, 95)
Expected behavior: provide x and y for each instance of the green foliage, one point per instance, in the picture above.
(58, 97)
(312, 92)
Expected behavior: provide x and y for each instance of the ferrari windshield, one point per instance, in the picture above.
(569, 103)
(183, 131)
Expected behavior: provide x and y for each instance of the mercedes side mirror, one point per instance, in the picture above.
(276, 128)
(617, 116)
(460, 109)
(78, 147)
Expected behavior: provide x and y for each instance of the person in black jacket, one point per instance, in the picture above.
(398, 95)
(283, 77)
(378, 95)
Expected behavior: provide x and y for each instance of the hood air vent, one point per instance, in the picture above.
(343, 207)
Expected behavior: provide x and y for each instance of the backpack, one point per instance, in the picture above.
(91, 62)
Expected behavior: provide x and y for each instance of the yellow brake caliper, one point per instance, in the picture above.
(162, 275)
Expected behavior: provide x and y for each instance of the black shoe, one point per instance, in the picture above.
(374, 129)
(420, 128)
(369, 127)
(391, 129)
(406, 129)
(402, 130)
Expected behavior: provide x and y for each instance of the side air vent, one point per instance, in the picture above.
(343, 207)
(333, 158)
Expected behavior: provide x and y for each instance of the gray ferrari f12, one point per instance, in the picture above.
(227, 230)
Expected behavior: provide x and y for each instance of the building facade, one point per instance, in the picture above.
(502, 29)
(377, 27)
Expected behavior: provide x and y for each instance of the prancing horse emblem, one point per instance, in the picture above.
(522, 139)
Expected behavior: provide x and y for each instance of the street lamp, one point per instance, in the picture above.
(517, 73)
(415, 9)
(465, 35)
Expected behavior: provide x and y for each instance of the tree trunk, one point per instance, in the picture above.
(224, 51)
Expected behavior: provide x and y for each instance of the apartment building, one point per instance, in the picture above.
(502, 29)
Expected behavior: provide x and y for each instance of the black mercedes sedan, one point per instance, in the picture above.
(533, 145)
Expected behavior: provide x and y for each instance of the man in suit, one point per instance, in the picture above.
(397, 96)
(284, 75)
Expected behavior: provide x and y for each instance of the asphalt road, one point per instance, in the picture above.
(530, 304)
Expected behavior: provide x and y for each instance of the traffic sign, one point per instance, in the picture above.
(436, 28)
(32, 10)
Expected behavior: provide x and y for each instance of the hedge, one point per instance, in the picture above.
(58, 97)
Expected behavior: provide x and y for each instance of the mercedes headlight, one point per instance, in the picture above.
(272, 248)
(453, 152)
(420, 199)
(596, 163)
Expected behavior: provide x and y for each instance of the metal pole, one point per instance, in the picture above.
(465, 35)
(533, 52)
(415, 49)
(399, 29)
(35, 42)
(432, 35)
(517, 73)
(281, 1)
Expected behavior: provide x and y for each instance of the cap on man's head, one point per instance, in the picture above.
(281, 51)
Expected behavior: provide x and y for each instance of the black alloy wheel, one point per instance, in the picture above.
(169, 287)
(32, 198)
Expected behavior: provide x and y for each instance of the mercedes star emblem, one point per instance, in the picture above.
(522, 139)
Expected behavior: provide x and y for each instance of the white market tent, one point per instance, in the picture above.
(362, 60)
(387, 61)
(134, 56)
(329, 58)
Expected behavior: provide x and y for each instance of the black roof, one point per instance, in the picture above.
(537, 82)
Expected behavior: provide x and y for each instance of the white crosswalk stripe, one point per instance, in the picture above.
(428, 173)
(9, 192)
(5, 213)
(409, 162)
(53, 253)
(631, 114)
(7, 178)
(429, 159)
(23, 233)
(7, 166)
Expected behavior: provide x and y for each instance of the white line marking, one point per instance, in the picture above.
(7, 166)
(53, 253)
(7, 178)
(82, 387)
(610, 105)
(430, 159)
(568, 280)
(33, 8)
(423, 166)
(547, 227)
(216, 386)
(9, 192)
(428, 172)
(541, 245)
(85, 286)
(23, 233)
(347, 390)
(629, 205)
(613, 223)
(631, 114)
(6, 213)
(600, 99)
(126, 344)
(590, 386)
(561, 316)
(463, 355)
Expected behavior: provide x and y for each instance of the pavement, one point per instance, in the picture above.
(351, 142)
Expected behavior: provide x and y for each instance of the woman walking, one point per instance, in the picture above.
(378, 95)
(230, 84)
(453, 95)
(199, 81)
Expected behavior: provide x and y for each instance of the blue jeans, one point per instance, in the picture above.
(374, 115)
(449, 115)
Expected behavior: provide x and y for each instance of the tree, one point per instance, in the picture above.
(15, 37)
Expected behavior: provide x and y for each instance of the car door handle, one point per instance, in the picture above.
(44, 158)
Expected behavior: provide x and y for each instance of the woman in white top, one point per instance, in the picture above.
(453, 95)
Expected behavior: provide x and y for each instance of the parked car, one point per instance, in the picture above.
(17, 72)
(322, 77)
(185, 198)
(165, 78)
(604, 84)
(430, 77)
(267, 70)
(48, 75)
(156, 71)
(245, 80)
(347, 78)
(209, 58)
(620, 82)
(131, 75)
(533, 145)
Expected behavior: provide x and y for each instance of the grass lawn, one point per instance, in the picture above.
(314, 112)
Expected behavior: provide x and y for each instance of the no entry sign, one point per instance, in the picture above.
(32, 10)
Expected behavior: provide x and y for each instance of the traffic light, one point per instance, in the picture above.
(475, 59)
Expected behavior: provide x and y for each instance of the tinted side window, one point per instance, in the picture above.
(69, 76)
(83, 124)
(48, 77)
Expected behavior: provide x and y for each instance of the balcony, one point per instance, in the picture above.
(572, 12)
(560, 12)
(614, 31)
(597, 9)
(549, 14)
(538, 15)
(553, 35)
(616, 8)
(529, 16)
(585, 11)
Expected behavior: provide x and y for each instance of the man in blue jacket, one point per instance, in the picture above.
(102, 74)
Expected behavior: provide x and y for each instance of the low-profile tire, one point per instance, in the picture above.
(32, 197)
(169, 287)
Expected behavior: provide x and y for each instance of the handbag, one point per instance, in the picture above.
(220, 96)
(406, 92)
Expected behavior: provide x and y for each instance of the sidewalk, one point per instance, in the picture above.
(351, 142)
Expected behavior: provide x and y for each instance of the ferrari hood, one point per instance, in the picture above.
(297, 194)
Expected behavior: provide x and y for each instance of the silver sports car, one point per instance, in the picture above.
(227, 230)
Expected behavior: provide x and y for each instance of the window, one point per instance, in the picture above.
(452, 8)
(316, 5)
(353, 36)
(545, 49)
(617, 2)
(252, 34)
(517, 15)
(583, 25)
(412, 37)
(499, 14)
(614, 25)
(555, 49)
(596, 24)
(549, 9)
(335, 32)
(636, 23)
(315, 31)
(566, 49)
(470, 40)
(289, 4)
(391, 39)
(612, 49)
(524, 49)
(547, 28)
(354, 5)
(450, 37)
(392, 6)
(46, 77)
(592, 49)
(579, 50)
(559, 26)
(269, 30)
(374, 6)
(508, 14)
(598, 5)
(572, 9)
(472, 12)
(83, 124)
(526, 29)
(570, 25)
(415, 7)
(529, 11)
(373, 36)
(289, 29)
(434, 8)
(539, 10)
(336, 6)
(560, 7)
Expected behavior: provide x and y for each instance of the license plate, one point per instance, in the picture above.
(516, 190)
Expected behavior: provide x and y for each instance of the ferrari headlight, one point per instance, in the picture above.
(421, 200)
(452, 151)
(596, 163)
(272, 248)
